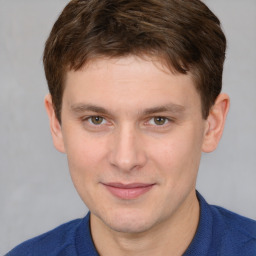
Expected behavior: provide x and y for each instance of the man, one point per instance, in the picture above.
(135, 97)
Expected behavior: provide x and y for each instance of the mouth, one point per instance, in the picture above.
(128, 191)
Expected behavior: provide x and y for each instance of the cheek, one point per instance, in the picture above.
(84, 159)
(178, 156)
(85, 166)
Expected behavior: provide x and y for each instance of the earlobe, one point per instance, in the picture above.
(54, 124)
(215, 123)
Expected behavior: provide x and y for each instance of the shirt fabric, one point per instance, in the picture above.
(220, 233)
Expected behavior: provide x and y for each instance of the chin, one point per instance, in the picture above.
(128, 221)
(129, 226)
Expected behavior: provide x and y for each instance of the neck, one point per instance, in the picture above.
(170, 237)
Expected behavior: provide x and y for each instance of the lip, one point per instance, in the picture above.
(128, 191)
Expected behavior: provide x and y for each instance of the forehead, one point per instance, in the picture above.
(131, 80)
(115, 68)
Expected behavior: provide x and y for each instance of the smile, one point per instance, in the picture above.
(128, 191)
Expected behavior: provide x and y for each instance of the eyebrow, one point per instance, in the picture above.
(80, 108)
(171, 107)
(174, 108)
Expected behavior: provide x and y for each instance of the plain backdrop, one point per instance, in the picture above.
(36, 192)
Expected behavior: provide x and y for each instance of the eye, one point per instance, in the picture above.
(158, 120)
(96, 120)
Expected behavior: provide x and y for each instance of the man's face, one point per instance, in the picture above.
(133, 134)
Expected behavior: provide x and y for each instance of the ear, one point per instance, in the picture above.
(54, 124)
(215, 123)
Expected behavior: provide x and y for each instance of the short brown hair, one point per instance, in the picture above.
(183, 33)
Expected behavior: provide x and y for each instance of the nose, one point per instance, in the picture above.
(127, 150)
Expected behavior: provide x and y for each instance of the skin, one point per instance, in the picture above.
(128, 121)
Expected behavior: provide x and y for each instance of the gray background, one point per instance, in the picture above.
(36, 193)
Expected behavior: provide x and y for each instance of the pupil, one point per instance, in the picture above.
(97, 119)
(159, 120)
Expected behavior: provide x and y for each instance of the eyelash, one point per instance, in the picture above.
(166, 121)
(100, 117)
(88, 119)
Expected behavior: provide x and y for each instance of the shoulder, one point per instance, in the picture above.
(237, 222)
(59, 241)
(238, 233)
(222, 232)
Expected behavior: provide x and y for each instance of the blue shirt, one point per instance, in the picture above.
(220, 233)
